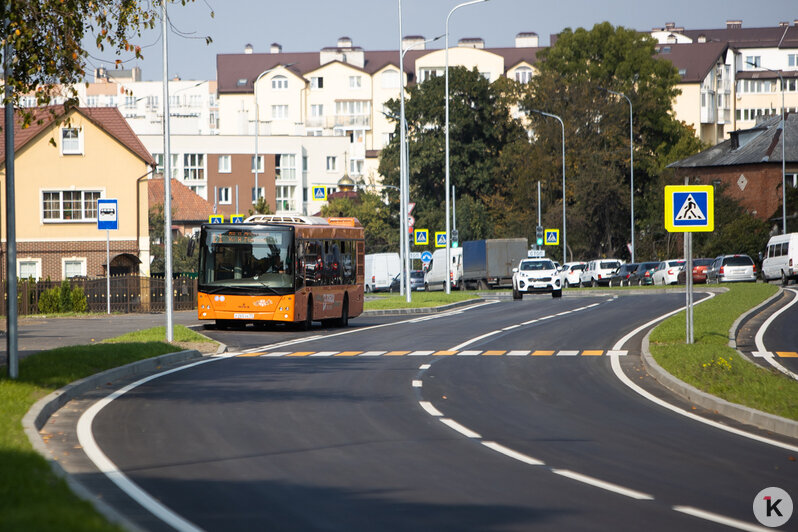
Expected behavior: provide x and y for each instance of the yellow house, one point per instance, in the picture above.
(61, 170)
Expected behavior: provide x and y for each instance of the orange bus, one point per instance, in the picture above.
(272, 268)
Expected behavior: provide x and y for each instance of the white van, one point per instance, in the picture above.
(381, 268)
(781, 259)
(436, 271)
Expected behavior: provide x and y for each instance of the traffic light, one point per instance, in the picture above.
(539, 235)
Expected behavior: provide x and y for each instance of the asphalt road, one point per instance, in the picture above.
(358, 443)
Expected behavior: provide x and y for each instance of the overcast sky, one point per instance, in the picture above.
(309, 25)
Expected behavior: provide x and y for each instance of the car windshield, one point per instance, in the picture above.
(537, 265)
(647, 266)
(675, 262)
(742, 260)
(417, 275)
(577, 267)
(609, 264)
(702, 262)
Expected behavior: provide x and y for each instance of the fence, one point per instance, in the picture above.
(129, 293)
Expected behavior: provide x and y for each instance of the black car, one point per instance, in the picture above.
(642, 275)
(620, 277)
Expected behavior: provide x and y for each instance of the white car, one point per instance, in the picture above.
(667, 272)
(569, 274)
(598, 272)
(536, 275)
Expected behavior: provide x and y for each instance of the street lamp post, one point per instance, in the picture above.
(564, 235)
(783, 160)
(448, 229)
(631, 171)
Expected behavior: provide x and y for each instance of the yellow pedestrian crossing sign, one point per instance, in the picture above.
(216, 219)
(689, 208)
(440, 239)
(236, 218)
(421, 237)
(319, 193)
(552, 237)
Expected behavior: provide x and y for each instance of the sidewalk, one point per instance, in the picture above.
(39, 334)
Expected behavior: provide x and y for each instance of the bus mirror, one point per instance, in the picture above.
(190, 247)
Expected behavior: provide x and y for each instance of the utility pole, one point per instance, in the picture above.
(11, 225)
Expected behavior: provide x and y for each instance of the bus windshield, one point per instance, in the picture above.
(255, 260)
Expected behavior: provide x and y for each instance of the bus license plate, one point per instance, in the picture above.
(244, 316)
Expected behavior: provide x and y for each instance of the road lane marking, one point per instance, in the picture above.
(468, 353)
(511, 327)
(617, 352)
(609, 486)
(541, 353)
(512, 454)
(323, 354)
(760, 336)
(425, 366)
(396, 353)
(493, 353)
(348, 353)
(592, 353)
(255, 354)
(728, 521)
(431, 410)
(420, 354)
(417, 384)
(471, 341)
(444, 353)
(278, 354)
(300, 354)
(517, 353)
(567, 353)
(372, 353)
(787, 354)
(454, 425)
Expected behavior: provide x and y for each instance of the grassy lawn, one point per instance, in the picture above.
(710, 365)
(32, 498)
(418, 299)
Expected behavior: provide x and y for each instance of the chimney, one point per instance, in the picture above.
(527, 40)
(471, 42)
(275, 48)
(670, 25)
(414, 41)
(734, 24)
(702, 38)
(783, 24)
(344, 42)
(248, 49)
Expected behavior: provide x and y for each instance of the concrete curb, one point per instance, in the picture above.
(743, 414)
(40, 412)
(735, 328)
(421, 310)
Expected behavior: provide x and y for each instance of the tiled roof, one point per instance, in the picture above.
(694, 59)
(109, 119)
(763, 146)
(186, 205)
(770, 37)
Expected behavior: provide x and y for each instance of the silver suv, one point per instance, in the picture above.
(728, 268)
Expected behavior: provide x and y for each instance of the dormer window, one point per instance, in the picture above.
(71, 141)
(279, 83)
(242, 82)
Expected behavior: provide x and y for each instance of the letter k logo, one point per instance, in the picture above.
(772, 506)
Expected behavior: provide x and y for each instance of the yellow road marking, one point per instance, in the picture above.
(395, 353)
(542, 353)
(592, 353)
(493, 353)
(348, 353)
(444, 353)
(787, 354)
(301, 354)
(251, 354)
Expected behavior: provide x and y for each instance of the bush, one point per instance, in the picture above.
(63, 299)
(79, 303)
(49, 301)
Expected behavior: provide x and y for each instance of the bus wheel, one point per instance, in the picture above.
(343, 321)
(308, 323)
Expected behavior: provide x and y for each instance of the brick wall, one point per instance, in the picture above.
(51, 254)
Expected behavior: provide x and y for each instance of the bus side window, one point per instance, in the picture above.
(299, 266)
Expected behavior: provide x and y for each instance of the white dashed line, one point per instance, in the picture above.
(567, 353)
(468, 353)
(420, 353)
(372, 353)
(728, 521)
(512, 454)
(417, 384)
(452, 424)
(517, 353)
(603, 485)
(425, 366)
(431, 410)
(325, 353)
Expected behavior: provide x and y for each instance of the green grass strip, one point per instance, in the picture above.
(32, 498)
(710, 365)
(418, 299)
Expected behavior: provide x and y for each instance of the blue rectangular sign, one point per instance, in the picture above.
(107, 214)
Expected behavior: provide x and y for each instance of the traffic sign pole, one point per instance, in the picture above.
(108, 269)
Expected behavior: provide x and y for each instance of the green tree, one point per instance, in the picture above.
(381, 226)
(181, 262)
(261, 207)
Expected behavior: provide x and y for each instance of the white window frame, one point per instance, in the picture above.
(285, 167)
(37, 264)
(193, 167)
(261, 160)
(284, 196)
(72, 146)
(224, 195)
(88, 210)
(262, 194)
(356, 167)
(332, 163)
(317, 82)
(81, 260)
(316, 110)
(523, 74)
(755, 59)
(355, 82)
(279, 112)
(279, 83)
(225, 164)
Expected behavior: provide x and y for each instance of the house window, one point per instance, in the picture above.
(224, 195)
(159, 164)
(314, 132)
(28, 268)
(523, 74)
(356, 166)
(285, 198)
(71, 141)
(73, 267)
(792, 60)
(316, 82)
(316, 110)
(332, 163)
(279, 83)
(92, 101)
(429, 73)
(193, 166)
(279, 112)
(285, 166)
(260, 164)
(130, 101)
(752, 61)
(390, 79)
(70, 205)
(225, 164)
(354, 82)
(262, 193)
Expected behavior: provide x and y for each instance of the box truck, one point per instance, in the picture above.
(490, 263)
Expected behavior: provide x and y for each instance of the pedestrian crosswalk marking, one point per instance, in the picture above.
(787, 354)
(451, 352)
(782, 354)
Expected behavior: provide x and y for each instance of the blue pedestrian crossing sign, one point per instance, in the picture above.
(215, 219)
(552, 237)
(319, 193)
(440, 239)
(236, 218)
(421, 237)
(689, 208)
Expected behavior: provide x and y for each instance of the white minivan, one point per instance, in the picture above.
(380, 270)
(781, 259)
(436, 271)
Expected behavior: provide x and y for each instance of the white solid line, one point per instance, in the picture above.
(512, 454)
(420, 353)
(603, 485)
(417, 384)
(563, 313)
(567, 353)
(278, 354)
(517, 353)
(728, 521)
(372, 353)
(530, 322)
(760, 335)
(468, 353)
(325, 353)
(452, 424)
(471, 341)
(511, 327)
(431, 410)
(762, 354)
(425, 366)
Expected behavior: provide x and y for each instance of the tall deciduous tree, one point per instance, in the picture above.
(380, 224)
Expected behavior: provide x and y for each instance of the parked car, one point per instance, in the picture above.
(381, 268)
(416, 281)
(642, 275)
(569, 274)
(699, 271)
(730, 268)
(667, 272)
(620, 277)
(536, 275)
(781, 258)
(598, 272)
